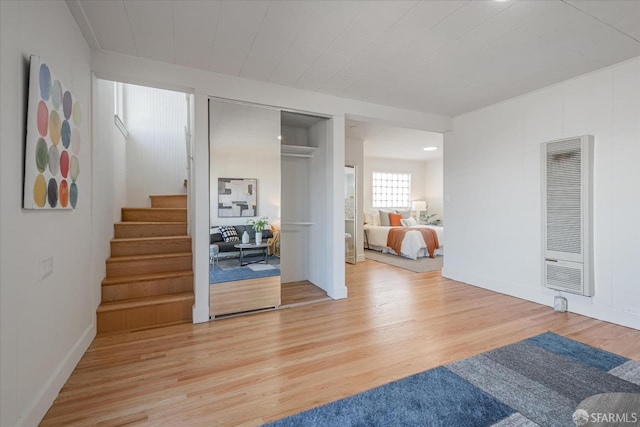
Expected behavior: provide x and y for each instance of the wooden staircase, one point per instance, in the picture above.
(149, 279)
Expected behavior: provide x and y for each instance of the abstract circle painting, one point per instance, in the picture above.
(52, 160)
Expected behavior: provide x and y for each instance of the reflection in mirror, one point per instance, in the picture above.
(244, 253)
(350, 214)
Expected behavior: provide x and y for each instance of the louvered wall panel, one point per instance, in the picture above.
(567, 214)
(564, 276)
(564, 201)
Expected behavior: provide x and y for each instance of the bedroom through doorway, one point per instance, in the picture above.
(400, 196)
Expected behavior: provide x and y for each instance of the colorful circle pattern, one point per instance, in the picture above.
(57, 166)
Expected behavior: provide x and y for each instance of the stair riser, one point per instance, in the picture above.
(131, 267)
(171, 285)
(148, 247)
(123, 231)
(174, 201)
(145, 316)
(154, 215)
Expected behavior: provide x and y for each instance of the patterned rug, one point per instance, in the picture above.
(419, 265)
(540, 381)
(229, 269)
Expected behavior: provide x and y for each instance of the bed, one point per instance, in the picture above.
(413, 244)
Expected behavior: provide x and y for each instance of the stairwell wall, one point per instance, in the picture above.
(110, 178)
(156, 152)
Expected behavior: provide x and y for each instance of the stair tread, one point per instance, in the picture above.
(155, 209)
(145, 277)
(144, 301)
(147, 257)
(132, 223)
(151, 238)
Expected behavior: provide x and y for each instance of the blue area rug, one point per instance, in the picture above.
(229, 270)
(538, 381)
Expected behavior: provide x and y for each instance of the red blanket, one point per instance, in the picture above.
(396, 235)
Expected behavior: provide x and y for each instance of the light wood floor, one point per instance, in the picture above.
(248, 370)
(301, 292)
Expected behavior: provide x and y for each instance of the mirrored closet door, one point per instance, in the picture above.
(244, 252)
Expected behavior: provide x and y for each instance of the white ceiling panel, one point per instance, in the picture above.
(624, 15)
(228, 60)
(152, 27)
(378, 53)
(238, 25)
(337, 14)
(314, 78)
(502, 24)
(468, 17)
(348, 45)
(338, 84)
(332, 62)
(369, 25)
(400, 34)
(259, 67)
(428, 44)
(195, 32)
(111, 26)
(444, 57)
(428, 14)
(395, 9)
(317, 36)
(288, 72)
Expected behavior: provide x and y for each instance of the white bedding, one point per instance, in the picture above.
(413, 244)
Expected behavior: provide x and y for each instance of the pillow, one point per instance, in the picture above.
(384, 218)
(229, 233)
(405, 214)
(408, 222)
(368, 218)
(394, 219)
(372, 217)
(214, 235)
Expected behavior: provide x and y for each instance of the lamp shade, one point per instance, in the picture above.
(419, 205)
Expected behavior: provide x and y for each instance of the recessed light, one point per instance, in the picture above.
(280, 137)
(430, 148)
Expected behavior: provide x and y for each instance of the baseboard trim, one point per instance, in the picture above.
(44, 399)
(200, 314)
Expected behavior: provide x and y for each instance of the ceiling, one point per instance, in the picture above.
(444, 57)
(408, 144)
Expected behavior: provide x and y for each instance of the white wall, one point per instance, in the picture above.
(45, 325)
(377, 164)
(156, 147)
(110, 181)
(492, 188)
(434, 187)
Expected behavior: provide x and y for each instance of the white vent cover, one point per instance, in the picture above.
(567, 181)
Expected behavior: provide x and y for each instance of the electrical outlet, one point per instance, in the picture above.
(560, 304)
(46, 267)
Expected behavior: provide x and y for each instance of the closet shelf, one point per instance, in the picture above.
(297, 150)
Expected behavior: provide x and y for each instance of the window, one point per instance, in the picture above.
(391, 190)
(118, 108)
